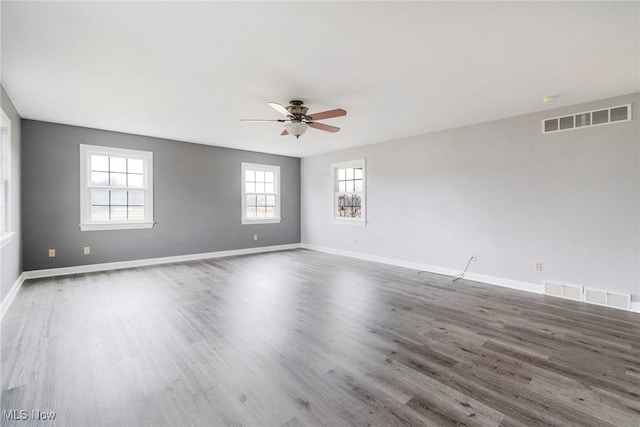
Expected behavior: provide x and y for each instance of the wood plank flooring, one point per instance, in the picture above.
(302, 338)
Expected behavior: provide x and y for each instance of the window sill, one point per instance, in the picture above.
(261, 221)
(5, 238)
(116, 226)
(357, 222)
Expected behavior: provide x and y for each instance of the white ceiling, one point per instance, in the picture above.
(190, 71)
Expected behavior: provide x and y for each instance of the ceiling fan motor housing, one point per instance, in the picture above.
(297, 110)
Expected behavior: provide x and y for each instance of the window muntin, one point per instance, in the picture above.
(117, 190)
(260, 194)
(349, 191)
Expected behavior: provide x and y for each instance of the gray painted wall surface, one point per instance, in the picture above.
(502, 190)
(196, 199)
(10, 254)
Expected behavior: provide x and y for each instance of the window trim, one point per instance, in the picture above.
(266, 168)
(85, 198)
(6, 229)
(358, 163)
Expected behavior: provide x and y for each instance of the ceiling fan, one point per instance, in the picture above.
(298, 121)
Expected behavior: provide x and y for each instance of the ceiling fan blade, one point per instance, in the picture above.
(263, 120)
(338, 112)
(279, 108)
(322, 126)
(285, 132)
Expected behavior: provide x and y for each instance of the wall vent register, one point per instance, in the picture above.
(591, 296)
(604, 116)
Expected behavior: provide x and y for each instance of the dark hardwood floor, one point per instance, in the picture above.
(301, 338)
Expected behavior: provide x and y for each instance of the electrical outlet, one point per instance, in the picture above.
(255, 237)
(87, 250)
(474, 257)
(52, 253)
(537, 265)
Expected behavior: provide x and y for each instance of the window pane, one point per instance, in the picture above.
(357, 213)
(259, 176)
(358, 185)
(100, 163)
(250, 187)
(268, 188)
(251, 200)
(134, 166)
(271, 200)
(358, 173)
(350, 173)
(251, 212)
(99, 178)
(262, 200)
(271, 212)
(260, 187)
(249, 175)
(118, 213)
(349, 185)
(135, 180)
(342, 186)
(100, 197)
(260, 212)
(357, 200)
(118, 179)
(268, 176)
(341, 174)
(136, 198)
(118, 164)
(99, 213)
(119, 197)
(135, 213)
(341, 200)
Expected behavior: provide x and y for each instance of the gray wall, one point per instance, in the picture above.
(196, 199)
(10, 254)
(502, 190)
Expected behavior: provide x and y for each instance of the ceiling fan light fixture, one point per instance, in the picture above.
(296, 129)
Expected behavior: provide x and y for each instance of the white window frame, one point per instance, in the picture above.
(276, 173)
(86, 224)
(6, 232)
(362, 221)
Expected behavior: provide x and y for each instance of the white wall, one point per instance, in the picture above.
(502, 190)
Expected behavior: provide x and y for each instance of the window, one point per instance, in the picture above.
(349, 192)
(116, 188)
(260, 194)
(5, 176)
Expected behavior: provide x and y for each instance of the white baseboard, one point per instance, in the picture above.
(535, 288)
(91, 268)
(8, 299)
(635, 306)
(507, 283)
